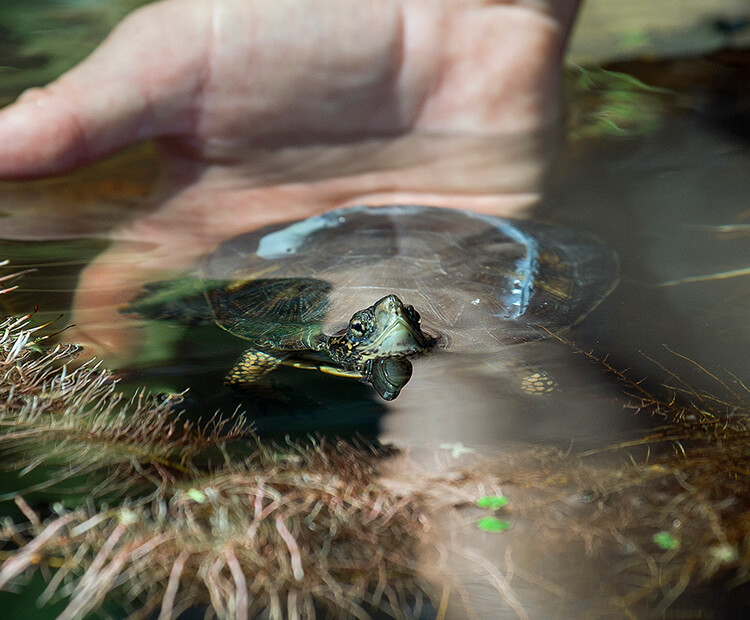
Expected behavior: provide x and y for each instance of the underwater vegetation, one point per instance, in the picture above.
(605, 103)
(288, 529)
(666, 513)
(118, 498)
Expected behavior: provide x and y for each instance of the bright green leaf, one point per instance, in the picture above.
(492, 524)
(493, 502)
(196, 495)
(665, 540)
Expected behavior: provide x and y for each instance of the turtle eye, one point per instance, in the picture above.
(358, 328)
(360, 325)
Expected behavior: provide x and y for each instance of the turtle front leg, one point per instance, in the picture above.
(537, 382)
(251, 366)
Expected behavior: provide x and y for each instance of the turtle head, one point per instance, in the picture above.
(388, 328)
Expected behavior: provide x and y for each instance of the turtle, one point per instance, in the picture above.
(359, 290)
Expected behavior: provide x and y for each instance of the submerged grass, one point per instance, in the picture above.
(327, 528)
(308, 531)
(676, 510)
(76, 422)
(290, 529)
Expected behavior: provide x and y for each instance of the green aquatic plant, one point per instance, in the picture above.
(665, 540)
(492, 524)
(604, 103)
(493, 502)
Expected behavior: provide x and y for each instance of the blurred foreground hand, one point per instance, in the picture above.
(269, 111)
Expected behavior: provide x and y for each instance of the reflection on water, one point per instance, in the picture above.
(481, 284)
(673, 204)
(665, 195)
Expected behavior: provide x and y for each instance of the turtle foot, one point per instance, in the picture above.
(251, 366)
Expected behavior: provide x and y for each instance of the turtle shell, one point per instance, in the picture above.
(479, 282)
(282, 314)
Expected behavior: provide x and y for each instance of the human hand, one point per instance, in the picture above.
(273, 111)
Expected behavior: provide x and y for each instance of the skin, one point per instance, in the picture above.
(385, 329)
(269, 111)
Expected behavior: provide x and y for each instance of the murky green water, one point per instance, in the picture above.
(672, 202)
(42, 38)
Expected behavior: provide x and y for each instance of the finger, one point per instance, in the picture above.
(116, 97)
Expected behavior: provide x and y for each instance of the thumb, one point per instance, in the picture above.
(116, 97)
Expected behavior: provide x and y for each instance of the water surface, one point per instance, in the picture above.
(668, 195)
